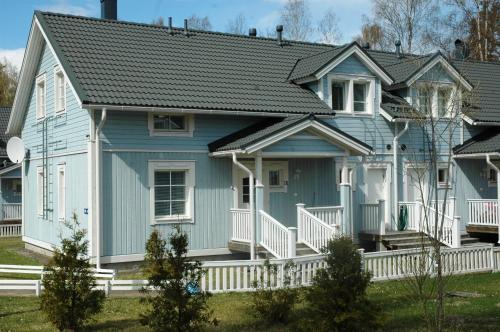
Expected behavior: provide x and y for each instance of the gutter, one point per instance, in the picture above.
(98, 185)
(492, 165)
(252, 204)
(395, 168)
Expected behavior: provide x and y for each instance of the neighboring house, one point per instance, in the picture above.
(135, 127)
(10, 177)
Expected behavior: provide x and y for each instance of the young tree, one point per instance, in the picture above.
(296, 20)
(70, 298)
(328, 28)
(176, 303)
(337, 299)
(199, 23)
(238, 25)
(8, 82)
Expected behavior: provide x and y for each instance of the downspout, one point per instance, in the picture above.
(395, 169)
(495, 167)
(252, 204)
(98, 186)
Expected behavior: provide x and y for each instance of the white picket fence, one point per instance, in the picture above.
(313, 231)
(483, 212)
(242, 225)
(241, 275)
(8, 230)
(11, 211)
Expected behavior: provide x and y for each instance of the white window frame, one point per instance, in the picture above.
(188, 132)
(61, 191)
(282, 168)
(178, 165)
(351, 169)
(41, 109)
(449, 180)
(349, 81)
(58, 76)
(433, 89)
(491, 182)
(40, 184)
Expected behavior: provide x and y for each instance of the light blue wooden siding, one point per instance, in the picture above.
(50, 230)
(436, 74)
(67, 142)
(8, 193)
(351, 65)
(312, 182)
(127, 212)
(67, 132)
(303, 142)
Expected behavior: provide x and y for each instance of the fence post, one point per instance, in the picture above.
(362, 254)
(292, 241)
(381, 216)
(418, 216)
(300, 227)
(451, 206)
(38, 288)
(107, 288)
(456, 232)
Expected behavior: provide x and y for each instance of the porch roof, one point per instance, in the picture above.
(270, 131)
(395, 108)
(486, 142)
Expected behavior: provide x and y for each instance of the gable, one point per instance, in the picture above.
(353, 66)
(304, 141)
(436, 74)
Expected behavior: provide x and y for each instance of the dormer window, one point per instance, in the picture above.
(351, 95)
(166, 124)
(436, 99)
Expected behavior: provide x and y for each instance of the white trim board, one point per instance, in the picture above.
(38, 243)
(140, 257)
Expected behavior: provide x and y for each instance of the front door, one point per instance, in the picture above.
(376, 188)
(416, 184)
(243, 187)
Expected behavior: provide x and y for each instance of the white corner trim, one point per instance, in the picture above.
(38, 243)
(364, 58)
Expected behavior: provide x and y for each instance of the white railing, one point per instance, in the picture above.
(313, 231)
(414, 211)
(7, 230)
(35, 269)
(331, 215)
(11, 211)
(483, 212)
(373, 217)
(242, 225)
(279, 240)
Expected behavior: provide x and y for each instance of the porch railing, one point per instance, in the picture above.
(10, 230)
(483, 212)
(242, 225)
(11, 211)
(331, 215)
(276, 238)
(373, 217)
(413, 213)
(313, 231)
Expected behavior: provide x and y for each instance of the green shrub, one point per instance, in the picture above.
(177, 303)
(69, 298)
(337, 300)
(270, 303)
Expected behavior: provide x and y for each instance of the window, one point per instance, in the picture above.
(443, 177)
(274, 178)
(40, 191)
(338, 96)
(425, 100)
(171, 124)
(492, 177)
(444, 95)
(61, 194)
(360, 97)
(40, 97)
(172, 191)
(60, 90)
(246, 190)
(17, 187)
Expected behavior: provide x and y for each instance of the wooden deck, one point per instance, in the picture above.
(486, 229)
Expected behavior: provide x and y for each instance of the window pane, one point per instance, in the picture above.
(162, 208)
(162, 178)
(359, 97)
(178, 207)
(444, 95)
(246, 190)
(178, 177)
(160, 122)
(169, 122)
(337, 96)
(274, 178)
(177, 122)
(424, 101)
(162, 193)
(442, 175)
(178, 192)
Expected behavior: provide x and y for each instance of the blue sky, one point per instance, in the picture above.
(15, 16)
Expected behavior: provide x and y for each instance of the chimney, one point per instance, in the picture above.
(108, 9)
(398, 49)
(252, 32)
(460, 50)
(366, 46)
(185, 26)
(170, 30)
(279, 34)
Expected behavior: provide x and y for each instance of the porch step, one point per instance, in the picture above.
(236, 246)
(411, 239)
(302, 250)
(466, 239)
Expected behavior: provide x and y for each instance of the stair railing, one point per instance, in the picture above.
(313, 231)
(276, 238)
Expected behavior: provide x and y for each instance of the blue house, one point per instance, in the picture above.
(250, 144)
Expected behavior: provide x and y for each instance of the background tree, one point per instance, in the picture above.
(238, 25)
(328, 28)
(70, 297)
(296, 20)
(8, 82)
(159, 21)
(199, 23)
(373, 34)
(176, 304)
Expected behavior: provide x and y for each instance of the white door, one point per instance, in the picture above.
(416, 184)
(244, 190)
(376, 188)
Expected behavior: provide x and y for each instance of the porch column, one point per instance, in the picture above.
(346, 199)
(259, 194)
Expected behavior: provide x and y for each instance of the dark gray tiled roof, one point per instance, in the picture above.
(486, 142)
(308, 66)
(398, 108)
(254, 133)
(133, 64)
(4, 120)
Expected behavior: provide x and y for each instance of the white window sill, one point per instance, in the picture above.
(492, 184)
(173, 220)
(352, 114)
(171, 133)
(61, 112)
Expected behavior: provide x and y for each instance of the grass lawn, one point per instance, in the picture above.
(234, 311)
(12, 252)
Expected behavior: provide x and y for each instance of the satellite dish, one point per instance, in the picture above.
(16, 150)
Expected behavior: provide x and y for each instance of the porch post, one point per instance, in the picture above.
(345, 199)
(259, 193)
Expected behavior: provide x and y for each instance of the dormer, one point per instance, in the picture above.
(346, 78)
